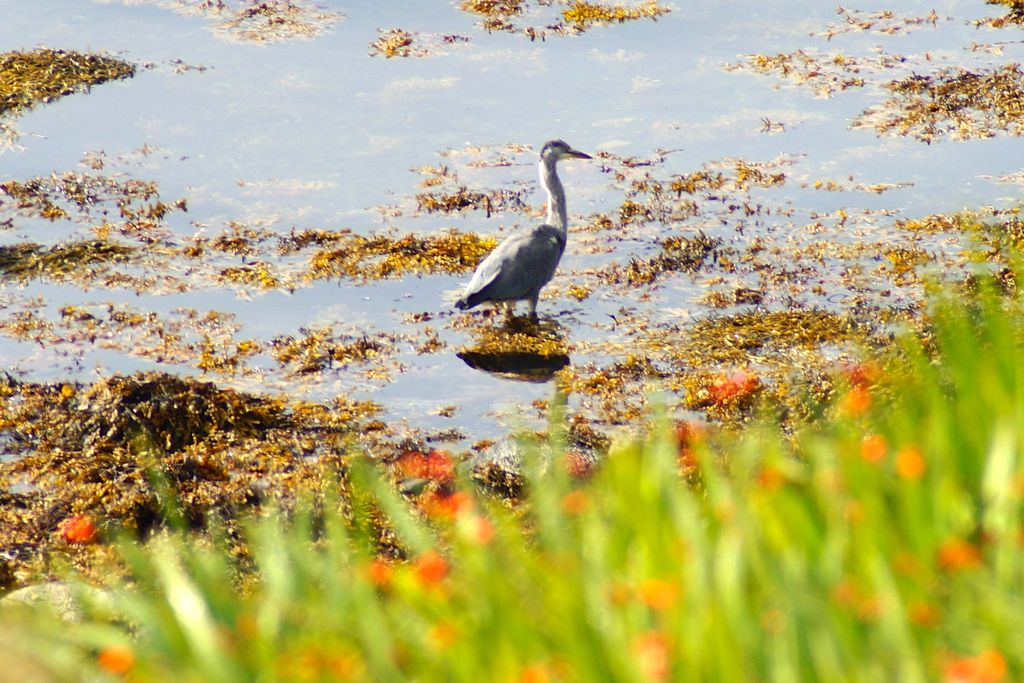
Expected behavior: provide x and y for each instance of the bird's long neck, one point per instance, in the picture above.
(557, 215)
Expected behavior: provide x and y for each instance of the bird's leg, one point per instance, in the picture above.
(510, 308)
(533, 308)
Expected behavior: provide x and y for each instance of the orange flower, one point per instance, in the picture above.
(910, 463)
(78, 529)
(575, 502)
(477, 528)
(847, 593)
(873, 448)
(436, 465)
(771, 478)
(652, 654)
(431, 568)
(116, 659)
(856, 401)
(447, 506)
(380, 572)
(923, 613)
(957, 554)
(443, 635)
(986, 667)
(657, 594)
(619, 593)
(734, 388)
(535, 673)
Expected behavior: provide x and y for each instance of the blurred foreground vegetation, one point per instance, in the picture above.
(881, 542)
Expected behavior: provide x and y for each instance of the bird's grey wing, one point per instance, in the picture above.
(518, 267)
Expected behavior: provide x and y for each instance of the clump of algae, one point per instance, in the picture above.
(678, 254)
(278, 20)
(520, 335)
(954, 101)
(521, 349)
(746, 338)
(1014, 13)
(24, 261)
(583, 14)
(463, 199)
(381, 256)
(115, 450)
(492, 7)
(131, 207)
(316, 350)
(44, 74)
(394, 42)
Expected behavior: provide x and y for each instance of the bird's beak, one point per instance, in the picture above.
(578, 155)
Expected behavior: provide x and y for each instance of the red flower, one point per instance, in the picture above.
(78, 529)
(734, 388)
(380, 572)
(862, 375)
(436, 465)
(431, 568)
(447, 506)
(688, 435)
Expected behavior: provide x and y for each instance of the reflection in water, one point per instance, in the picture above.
(518, 365)
(519, 349)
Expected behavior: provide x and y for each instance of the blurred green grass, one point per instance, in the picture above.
(882, 542)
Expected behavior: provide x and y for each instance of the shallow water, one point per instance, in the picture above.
(318, 133)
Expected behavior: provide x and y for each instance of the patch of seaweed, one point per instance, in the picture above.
(620, 389)
(582, 14)
(885, 22)
(44, 74)
(317, 350)
(380, 256)
(496, 14)
(678, 254)
(519, 334)
(1014, 14)
(395, 42)
(953, 101)
(24, 261)
(746, 338)
(826, 74)
(130, 207)
(263, 21)
(463, 199)
(116, 450)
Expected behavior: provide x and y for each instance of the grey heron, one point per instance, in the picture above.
(524, 262)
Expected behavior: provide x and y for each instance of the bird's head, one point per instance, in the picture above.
(556, 150)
